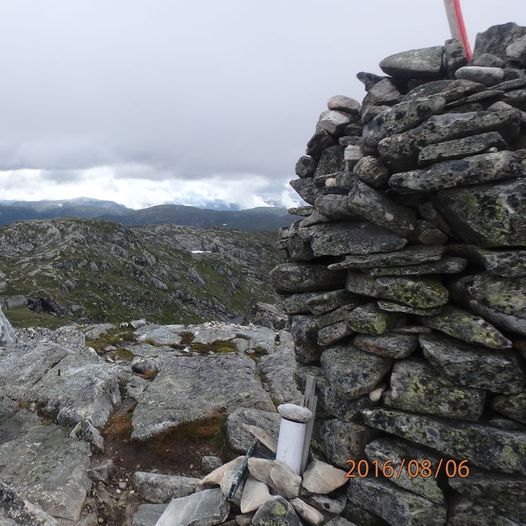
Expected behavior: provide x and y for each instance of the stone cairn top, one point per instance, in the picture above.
(405, 284)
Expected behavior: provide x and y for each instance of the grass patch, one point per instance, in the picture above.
(23, 318)
(217, 347)
(114, 337)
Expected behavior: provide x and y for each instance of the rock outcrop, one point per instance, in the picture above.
(405, 283)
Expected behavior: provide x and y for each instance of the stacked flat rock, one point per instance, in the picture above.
(405, 281)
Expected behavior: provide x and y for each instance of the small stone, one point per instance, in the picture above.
(369, 319)
(479, 367)
(353, 153)
(332, 121)
(308, 513)
(255, 494)
(460, 148)
(306, 166)
(423, 63)
(407, 256)
(467, 327)
(276, 512)
(416, 292)
(333, 504)
(277, 475)
(391, 453)
(484, 75)
(512, 406)
(216, 477)
(239, 437)
(204, 507)
(393, 306)
(331, 161)
(388, 345)
(322, 478)
(478, 169)
(101, 472)
(343, 103)
(295, 413)
(351, 372)
(305, 188)
(397, 506)
(304, 277)
(372, 171)
(383, 92)
(368, 79)
(416, 387)
(158, 489)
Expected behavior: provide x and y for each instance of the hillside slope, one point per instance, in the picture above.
(102, 271)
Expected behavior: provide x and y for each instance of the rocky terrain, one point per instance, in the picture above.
(55, 271)
(406, 283)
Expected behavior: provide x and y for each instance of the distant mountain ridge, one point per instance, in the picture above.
(260, 219)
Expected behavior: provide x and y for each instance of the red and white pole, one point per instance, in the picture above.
(457, 25)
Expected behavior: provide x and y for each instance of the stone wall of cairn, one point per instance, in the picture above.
(405, 284)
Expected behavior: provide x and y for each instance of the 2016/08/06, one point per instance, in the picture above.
(414, 468)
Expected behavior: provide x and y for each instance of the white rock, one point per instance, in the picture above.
(263, 436)
(296, 413)
(277, 475)
(322, 478)
(255, 494)
(308, 513)
(332, 121)
(215, 477)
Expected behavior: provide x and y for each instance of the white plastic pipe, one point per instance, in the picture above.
(292, 430)
(290, 443)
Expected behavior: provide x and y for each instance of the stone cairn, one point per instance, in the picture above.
(405, 285)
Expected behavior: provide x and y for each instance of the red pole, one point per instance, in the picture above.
(457, 25)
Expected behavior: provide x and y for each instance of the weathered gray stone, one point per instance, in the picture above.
(380, 210)
(485, 75)
(497, 38)
(332, 121)
(307, 512)
(467, 327)
(415, 387)
(455, 56)
(352, 372)
(295, 413)
(328, 301)
(400, 152)
(306, 166)
(304, 330)
(372, 171)
(426, 233)
(343, 103)
(333, 504)
(395, 505)
(448, 265)
(255, 494)
(416, 292)
(333, 333)
(148, 514)
(49, 469)
(506, 493)
(516, 51)
(396, 453)
(488, 60)
(337, 239)
(473, 170)
(483, 446)
(470, 366)
(402, 117)
(388, 345)
(158, 489)
(340, 441)
(393, 306)
(204, 508)
(512, 406)
(16, 511)
(334, 207)
(277, 475)
(318, 142)
(305, 277)
(370, 319)
(460, 148)
(425, 63)
(413, 255)
(506, 263)
(383, 92)
(239, 438)
(449, 89)
(331, 161)
(7, 333)
(276, 512)
(306, 188)
(486, 215)
(222, 383)
(322, 478)
(466, 512)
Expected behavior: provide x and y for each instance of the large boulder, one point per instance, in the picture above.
(194, 389)
(425, 63)
(481, 445)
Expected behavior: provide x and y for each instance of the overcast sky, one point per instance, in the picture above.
(194, 102)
